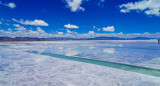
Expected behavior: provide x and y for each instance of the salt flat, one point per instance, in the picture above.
(19, 68)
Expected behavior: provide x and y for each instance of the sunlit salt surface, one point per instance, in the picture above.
(130, 52)
(18, 67)
(138, 69)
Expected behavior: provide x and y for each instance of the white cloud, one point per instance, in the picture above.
(40, 30)
(109, 50)
(16, 25)
(68, 31)
(75, 5)
(39, 33)
(109, 29)
(150, 7)
(0, 22)
(120, 33)
(91, 32)
(60, 33)
(9, 30)
(35, 22)
(14, 19)
(20, 28)
(70, 26)
(11, 5)
(23, 32)
(20, 31)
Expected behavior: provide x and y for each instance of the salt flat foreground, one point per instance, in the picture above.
(19, 68)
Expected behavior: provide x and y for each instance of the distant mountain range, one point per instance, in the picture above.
(67, 38)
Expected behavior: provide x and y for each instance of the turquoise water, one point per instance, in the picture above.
(138, 69)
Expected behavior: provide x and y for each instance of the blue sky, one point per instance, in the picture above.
(74, 18)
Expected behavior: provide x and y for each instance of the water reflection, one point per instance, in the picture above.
(71, 53)
(117, 51)
(109, 50)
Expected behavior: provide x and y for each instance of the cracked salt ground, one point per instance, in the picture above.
(19, 68)
(57, 72)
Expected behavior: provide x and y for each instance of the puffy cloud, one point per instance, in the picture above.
(20, 31)
(75, 5)
(42, 34)
(20, 28)
(0, 22)
(11, 5)
(120, 33)
(40, 30)
(60, 33)
(150, 7)
(70, 26)
(14, 19)
(23, 32)
(109, 29)
(34, 22)
(68, 31)
(91, 32)
(9, 30)
(16, 25)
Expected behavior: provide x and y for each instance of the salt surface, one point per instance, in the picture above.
(19, 68)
